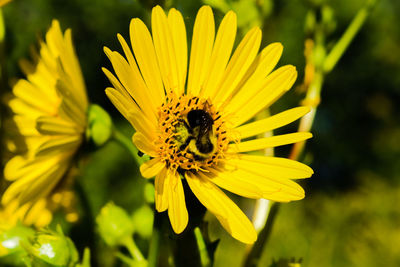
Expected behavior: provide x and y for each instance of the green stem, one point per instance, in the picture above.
(133, 249)
(155, 240)
(204, 258)
(348, 36)
(306, 122)
(125, 259)
(255, 253)
(127, 143)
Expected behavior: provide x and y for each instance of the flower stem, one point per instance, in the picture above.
(133, 249)
(348, 36)
(255, 253)
(155, 240)
(127, 143)
(204, 258)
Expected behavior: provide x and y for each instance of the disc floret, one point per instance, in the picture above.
(178, 141)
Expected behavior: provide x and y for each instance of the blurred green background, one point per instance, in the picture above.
(350, 216)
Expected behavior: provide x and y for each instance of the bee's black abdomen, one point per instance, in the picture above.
(204, 147)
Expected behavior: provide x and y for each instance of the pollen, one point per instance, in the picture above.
(177, 141)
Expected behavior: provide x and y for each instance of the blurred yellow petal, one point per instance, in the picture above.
(48, 125)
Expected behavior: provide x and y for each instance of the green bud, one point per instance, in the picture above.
(143, 221)
(99, 125)
(328, 19)
(11, 250)
(114, 224)
(311, 22)
(52, 248)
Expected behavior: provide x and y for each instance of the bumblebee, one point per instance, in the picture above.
(200, 139)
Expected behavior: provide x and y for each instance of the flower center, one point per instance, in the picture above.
(192, 133)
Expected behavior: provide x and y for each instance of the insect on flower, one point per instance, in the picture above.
(192, 117)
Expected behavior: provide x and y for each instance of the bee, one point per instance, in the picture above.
(201, 140)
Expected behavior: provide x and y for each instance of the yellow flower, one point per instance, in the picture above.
(197, 128)
(48, 122)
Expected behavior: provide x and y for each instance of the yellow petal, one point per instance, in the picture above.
(40, 181)
(74, 71)
(234, 182)
(31, 95)
(26, 126)
(68, 66)
(56, 126)
(274, 141)
(117, 85)
(200, 54)
(43, 185)
(177, 211)
(220, 54)
(178, 31)
(252, 81)
(161, 185)
(143, 48)
(241, 60)
(16, 167)
(273, 186)
(38, 215)
(230, 216)
(133, 83)
(152, 167)
(165, 51)
(271, 123)
(144, 144)
(241, 179)
(60, 144)
(20, 107)
(276, 84)
(132, 113)
(281, 167)
(69, 108)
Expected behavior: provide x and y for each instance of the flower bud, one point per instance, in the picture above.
(99, 125)
(114, 224)
(52, 248)
(12, 251)
(143, 221)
